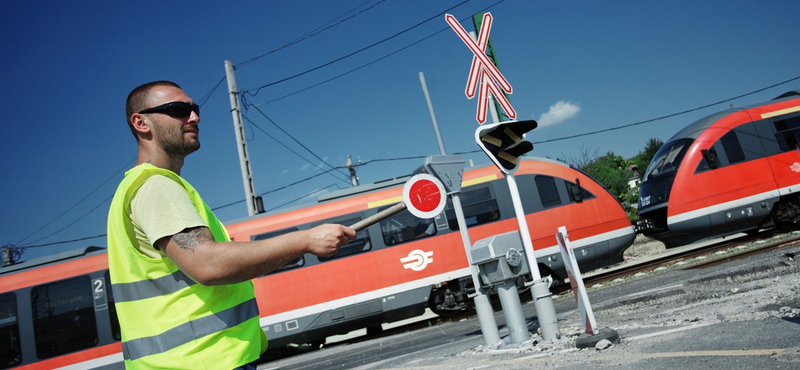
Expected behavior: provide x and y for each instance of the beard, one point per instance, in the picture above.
(172, 141)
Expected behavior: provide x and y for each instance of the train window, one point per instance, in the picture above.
(709, 161)
(667, 159)
(63, 316)
(788, 133)
(405, 227)
(10, 352)
(112, 310)
(295, 263)
(733, 149)
(479, 206)
(738, 145)
(548, 192)
(577, 193)
(359, 245)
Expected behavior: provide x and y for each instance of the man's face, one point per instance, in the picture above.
(177, 136)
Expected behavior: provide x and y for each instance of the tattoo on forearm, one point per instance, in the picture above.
(190, 239)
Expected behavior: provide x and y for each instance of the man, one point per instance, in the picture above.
(182, 290)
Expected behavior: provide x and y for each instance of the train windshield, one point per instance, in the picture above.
(667, 159)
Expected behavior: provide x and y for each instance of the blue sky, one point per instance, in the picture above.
(576, 66)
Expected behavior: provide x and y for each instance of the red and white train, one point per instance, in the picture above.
(734, 171)
(59, 312)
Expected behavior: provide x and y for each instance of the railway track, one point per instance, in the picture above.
(698, 257)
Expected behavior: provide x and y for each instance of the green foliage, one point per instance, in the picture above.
(642, 160)
(616, 173)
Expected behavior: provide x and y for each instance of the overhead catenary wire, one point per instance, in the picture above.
(258, 89)
(346, 178)
(300, 197)
(370, 62)
(322, 28)
(308, 35)
(668, 115)
(127, 165)
(275, 190)
(315, 165)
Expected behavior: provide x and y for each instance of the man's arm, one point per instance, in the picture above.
(210, 263)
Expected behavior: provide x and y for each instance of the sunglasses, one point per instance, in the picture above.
(174, 109)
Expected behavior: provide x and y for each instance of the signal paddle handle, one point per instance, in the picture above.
(380, 216)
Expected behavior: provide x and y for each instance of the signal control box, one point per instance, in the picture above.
(500, 258)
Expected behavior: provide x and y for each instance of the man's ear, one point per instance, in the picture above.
(139, 123)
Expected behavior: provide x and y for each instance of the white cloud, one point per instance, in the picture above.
(559, 112)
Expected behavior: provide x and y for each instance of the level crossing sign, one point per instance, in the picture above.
(483, 74)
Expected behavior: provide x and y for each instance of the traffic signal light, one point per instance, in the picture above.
(503, 142)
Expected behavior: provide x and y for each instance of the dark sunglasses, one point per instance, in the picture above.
(174, 109)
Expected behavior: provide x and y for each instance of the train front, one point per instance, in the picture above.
(654, 192)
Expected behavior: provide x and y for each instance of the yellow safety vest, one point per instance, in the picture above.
(168, 320)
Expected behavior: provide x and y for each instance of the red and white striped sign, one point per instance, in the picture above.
(576, 281)
(483, 70)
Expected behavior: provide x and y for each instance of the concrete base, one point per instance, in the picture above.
(586, 340)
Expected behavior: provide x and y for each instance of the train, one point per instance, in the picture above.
(58, 311)
(734, 171)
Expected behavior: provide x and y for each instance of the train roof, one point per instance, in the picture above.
(378, 185)
(401, 180)
(49, 259)
(693, 130)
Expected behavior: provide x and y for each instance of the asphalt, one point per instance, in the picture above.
(742, 315)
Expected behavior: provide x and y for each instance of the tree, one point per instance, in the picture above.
(615, 172)
(588, 154)
(611, 171)
(642, 160)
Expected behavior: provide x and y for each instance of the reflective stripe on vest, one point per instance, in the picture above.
(143, 289)
(195, 329)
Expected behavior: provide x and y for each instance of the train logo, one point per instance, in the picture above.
(417, 260)
(795, 167)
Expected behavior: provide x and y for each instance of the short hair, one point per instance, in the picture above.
(139, 97)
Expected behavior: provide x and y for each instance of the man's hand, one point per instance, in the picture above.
(325, 240)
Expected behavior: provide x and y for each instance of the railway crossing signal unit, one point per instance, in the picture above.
(504, 142)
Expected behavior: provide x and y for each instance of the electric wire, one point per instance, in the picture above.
(668, 115)
(273, 190)
(258, 89)
(313, 32)
(371, 62)
(244, 103)
(298, 198)
(127, 165)
(207, 96)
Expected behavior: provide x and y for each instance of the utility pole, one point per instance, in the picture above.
(241, 142)
(434, 121)
(353, 178)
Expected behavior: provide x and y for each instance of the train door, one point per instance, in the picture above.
(780, 136)
(738, 181)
